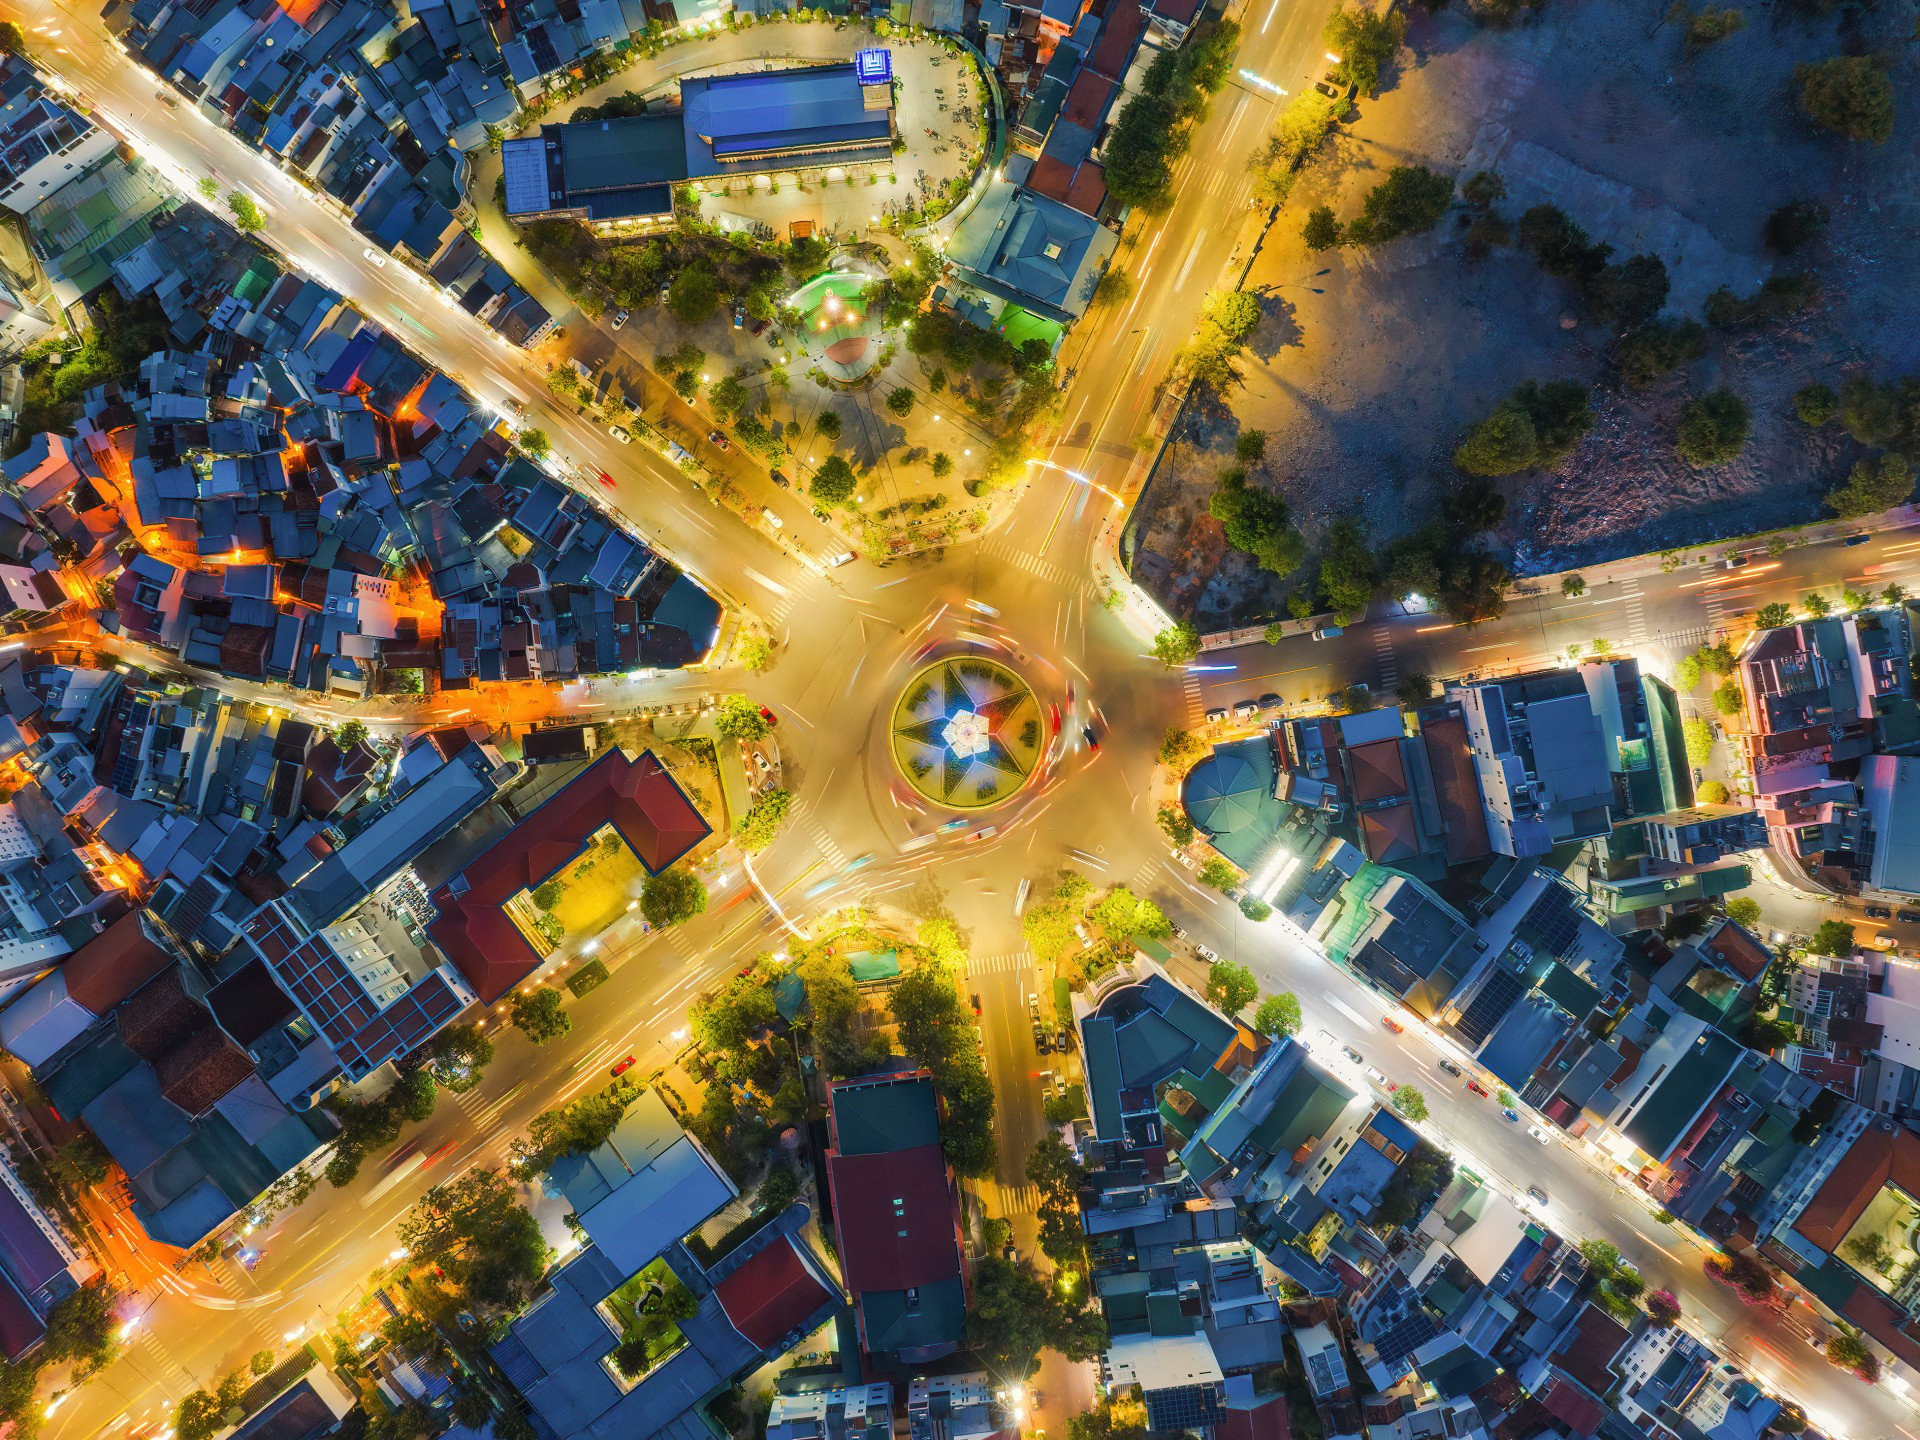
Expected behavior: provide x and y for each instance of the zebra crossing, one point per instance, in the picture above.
(1034, 565)
(1011, 964)
(1635, 611)
(1383, 652)
(829, 852)
(1196, 703)
(159, 1359)
(1023, 1199)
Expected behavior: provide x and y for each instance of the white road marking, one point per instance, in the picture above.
(1346, 1010)
(1181, 279)
(773, 585)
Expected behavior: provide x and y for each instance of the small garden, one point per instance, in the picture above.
(646, 1312)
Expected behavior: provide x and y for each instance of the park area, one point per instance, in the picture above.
(1752, 252)
(584, 896)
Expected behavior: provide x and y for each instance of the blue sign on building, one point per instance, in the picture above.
(873, 67)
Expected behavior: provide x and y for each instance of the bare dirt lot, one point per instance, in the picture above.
(1372, 361)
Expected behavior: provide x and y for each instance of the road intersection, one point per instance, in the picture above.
(847, 639)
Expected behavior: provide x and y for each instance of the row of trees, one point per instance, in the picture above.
(936, 1028)
(1152, 131)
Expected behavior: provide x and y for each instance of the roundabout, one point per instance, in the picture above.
(967, 732)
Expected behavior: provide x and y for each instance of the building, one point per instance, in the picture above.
(1704, 834)
(833, 1412)
(1539, 754)
(619, 173)
(896, 1216)
(1024, 264)
(1400, 936)
(1141, 1035)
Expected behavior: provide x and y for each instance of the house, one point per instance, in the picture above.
(1540, 756)
(1140, 1035)
(1021, 254)
(896, 1216)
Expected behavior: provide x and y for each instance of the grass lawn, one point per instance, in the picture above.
(645, 1309)
(597, 886)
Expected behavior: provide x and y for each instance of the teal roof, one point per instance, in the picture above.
(1700, 1073)
(1229, 795)
(876, 1119)
(1571, 993)
(939, 1315)
(1100, 1054)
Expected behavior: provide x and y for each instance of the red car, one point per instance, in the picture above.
(623, 1066)
(1477, 1088)
(1394, 1025)
(1053, 716)
(604, 478)
(768, 716)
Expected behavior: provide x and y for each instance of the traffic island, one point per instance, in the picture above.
(967, 733)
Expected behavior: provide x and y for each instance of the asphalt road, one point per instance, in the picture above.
(849, 638)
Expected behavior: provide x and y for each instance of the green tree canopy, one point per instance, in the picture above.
(738, 718)
(1658, 348)
(1876, 483)
(834, 483)
(1015, 1315)
(1231, 987)
(1365, 41)
(1410, 1103)
(1713, 428)
(694, 293)
(757, 828)
(1409, 201)
(672, 896)
(1122, 914)
(1851, 95)
(729, 1020)
(1348, 571)
(900, 401)
(540, 1013)
(1177, 644)
(248, 217)
(459, 1056)
(1834, 937)
(1256, 521)
(477, 1231)
(1278, 1015)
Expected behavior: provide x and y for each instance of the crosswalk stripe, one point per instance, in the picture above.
(1383, 650)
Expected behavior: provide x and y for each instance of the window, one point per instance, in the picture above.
(1050, 250)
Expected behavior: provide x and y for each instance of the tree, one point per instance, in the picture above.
(413, 1096)
(1658, 348)
(1322, 231)
(1234, 313)
(1218, 873)
(1698, 736)
(1713, 428)
(208, 187)
(1711, 792)
(576, 1129)
(1414, 689)
(82, 1327)
(13, 39)
(1410, 201)
(1834, 937)
(540, 1013)
(459, 1056)
(248, 218)
(199, 1417)
(1348, 571)
(738, 718)
(535, 442)
(1876, 483)
(729, 397)
(1231, 987)
(1815, 404)
(834, 482)
(1850, 95)
(1710, 26)
(827, 425)
(261, 1362)
(1871, 412)
(1249, 446)
(1795, 226)
(1112, 288)
(933, 1027)
(1816, 605)
(1015, 1315)
(1662, 1309)
(672, 896)
(758, 827)
(1628, 294)
(1410, 1103)
(1256, 521)
(1537, 425)
(1773, 615)
(1728, 700)
(1849, 1352)
(1501, 444)
(1744, 911)
(941, 464)
(1180, 748)
(900, 401)
(729, 1020)
(1278, 1015)
(548, 893)
(1177, 644)
(694, 294)
(1870, 1250)
(835, 1008)
(477, 1231)
(1559, 246)
(1054, 1172)
(1366, 42)
(1123, 914)
(1178, 828)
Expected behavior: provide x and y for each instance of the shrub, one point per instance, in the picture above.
(1659, 348)
(1876, 483)
(1794, 227)
(1365, 41)
(1559, 246)
(1628, 294)
(1850, 95)
(1537, 425)
(1815, 404)
(1699, 741)
(1713, 428)
(1409, 201)
(1711, 26)
(1727, 698)
(900, 401)
(1573, 586)
(1773, 615)
(1501, 444)
(589, 976)
(1778, 298)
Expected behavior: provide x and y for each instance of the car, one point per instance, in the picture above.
(1033, 1007)
(1879, 912)
(759, 327)
(1392, 1024)
(620, 317)
(1327, 90)
(1538, 1134)
(980, 607)
(1245, 710)
(1511, 1114)
(975, 997)
(621, 433)
(1270, 701)
(762, 764)
(1216, 717)
(604, 478)
(1040, 1042)
(1060, 1043)
(739, 316)
(718, 440)
(1207, 953)
(1736, 562)
(1858, 539)
(1093, 740)
(165, 99)
(1450, 1067)
(768, 716)
(624, 1066)
(1476, 1088)
(1175, 931)
(1352, 1054)
(1376, 1077)
(1053, 718)
(1536, 1194)
(1329, 632)
(779, 478)
(845, 557)
(1187, 860)
(773, 520)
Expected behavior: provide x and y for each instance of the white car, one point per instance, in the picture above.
(1212, 957)
(1216, 717)
(1537, 1133)
(620, 433)
(375, 256)
(1245, 710)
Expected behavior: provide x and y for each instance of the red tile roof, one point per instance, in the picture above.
(1567, 1403)
(1389, 833)
(1879, 1157)
(893, 1212)
(1083, 189)
(1269, 1420)
(1114, 48)
(1378, 770)
(20, 1326)
(1589, 1347)
(1737, 948)
(772, 1294)
(635, 796)
(112, 965)
(1457, 788)
(1087, 100)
